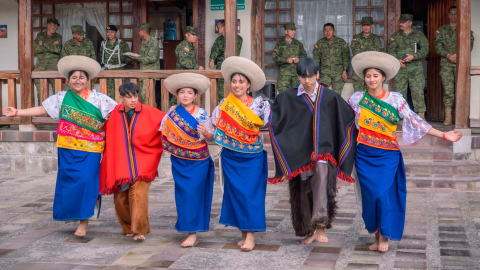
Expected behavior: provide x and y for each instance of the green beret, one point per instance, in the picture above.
(53, 20)
(367, 21)
(405, 17)
(145, 26)
(192, 30)
(78, 29)
(290, 26)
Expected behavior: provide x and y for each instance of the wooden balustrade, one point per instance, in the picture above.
(474, 70)
(9, 77)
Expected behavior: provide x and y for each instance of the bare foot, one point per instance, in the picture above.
(190, 240)
(374, 246)
(309, 239)
(249, 242)
(383, 244)
(321, 235)
(82, 228)
(129, 234)
(241, 242)
(139, 237)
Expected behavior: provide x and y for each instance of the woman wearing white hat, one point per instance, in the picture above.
(80, 140)
(238, 119)
(185, 130)
(378, 159)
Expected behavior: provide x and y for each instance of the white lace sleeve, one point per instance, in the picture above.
(353, 102)
(106, 105)
(202, 117)
(165, 118)
(53, 104)
(216, 113)
(414, 127)
(261, 108)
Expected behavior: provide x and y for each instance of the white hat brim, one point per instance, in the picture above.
(383, 61)
(78, 62)
(236, 64)
(184, 80)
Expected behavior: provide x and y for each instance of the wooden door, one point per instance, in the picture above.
(437, 16)
(169, 58)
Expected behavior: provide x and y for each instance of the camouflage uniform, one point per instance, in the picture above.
(218, 56)
(446, 43)
(185, 52)
(361, 43)
(113, 59)
(149, 59)
(85, 47)
(282, 51)
(48, 54)
(333, 60)
(411, 75)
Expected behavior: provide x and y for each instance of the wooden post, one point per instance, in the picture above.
(462, 91)
(199, 7)
(12, 93)
(25, 56)
(257, 31)
(213, 95)
(104, 86)
(230, 33)
(150, 93)
(118, 82)
(165, 97)
(58, 85)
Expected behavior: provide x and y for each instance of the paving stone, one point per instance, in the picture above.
(410, 255)
(455, 236)
(409, 245)
(60, 266)
(214, 245)
(410, 265)
(362, 266)
(5, 252)
(327, 249)
(454, 244)
(455, 252)
(450, 229)
(457, 262)
(377, 257)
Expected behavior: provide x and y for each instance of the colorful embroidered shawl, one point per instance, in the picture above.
(238, 127)
(180, 136)
(80, 126)
(378, 123)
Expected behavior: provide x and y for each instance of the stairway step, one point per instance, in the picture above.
(453, 167)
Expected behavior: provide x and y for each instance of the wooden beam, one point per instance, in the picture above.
(257, 31)
(150, 93)
(230, 33)
(118, 82)
(475, 70)
(58, 85)
(12, 93)
(10, 120)
(25, 52)
(139, 74)
(104, 86)
(44, 121)
(462, 91)
(165, 97)
(213, 95)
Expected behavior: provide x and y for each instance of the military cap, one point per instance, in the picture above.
(112, 27)
(192, 30)
(78, 29)
(290, 26)
(367, 21)
(405, 17)
(53, 20)
(145, 26)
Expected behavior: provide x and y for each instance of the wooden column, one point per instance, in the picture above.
(462, 91)
(393, 13)
(199, 7)
(257, 31)
(139, 17)
(230, 33)
(25, 56)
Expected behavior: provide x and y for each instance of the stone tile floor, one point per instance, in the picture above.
(442, 232)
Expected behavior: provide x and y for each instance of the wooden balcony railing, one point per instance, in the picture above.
(117, 75)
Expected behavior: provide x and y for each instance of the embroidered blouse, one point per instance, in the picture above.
(258, 106)
(201, 116)
(413, 127)
(102, 102)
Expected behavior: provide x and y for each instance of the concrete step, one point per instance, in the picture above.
(453, 167)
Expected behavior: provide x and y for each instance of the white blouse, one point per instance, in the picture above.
(258, 106)
(102, 102)
(201, 116)
(413, 128)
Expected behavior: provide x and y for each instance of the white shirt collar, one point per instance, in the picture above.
(301, 90)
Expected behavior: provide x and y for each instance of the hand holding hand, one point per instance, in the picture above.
(10, 111)
(132, 57)
(296, 60)
(290, 60)
(40, 42)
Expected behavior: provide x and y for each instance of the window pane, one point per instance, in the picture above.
(285, 16)
(270, 31)
(285, 3)
(35, 32)
(270, 4)
(281, 31)
(36, 21)
(377, 2)
(361, 3)
(114, 7)
(129, 44)
(360, 13)
(36, 9)
(127, 20)
(127, 7)
(270, 44)
(127, 33)
(114, 19)
(271, 72)
(330, 18)
(269, 59)
(270, 17)
(341, 30)
(383, 41)
(358, 28)
(377, 14)
(44, 21)
(342, 19)
(47, 9)
(378, 28)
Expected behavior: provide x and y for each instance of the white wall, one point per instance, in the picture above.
(245, 29)
(475, 59)
(8, 46)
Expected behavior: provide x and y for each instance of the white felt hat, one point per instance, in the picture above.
(236, 64)
(78, 62)
(190, 80)
(380, 60)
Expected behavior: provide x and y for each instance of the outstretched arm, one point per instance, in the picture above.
(451, 135)
(35, 111)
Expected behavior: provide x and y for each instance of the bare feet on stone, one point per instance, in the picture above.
(383, 244)
(82, 228)
(321, 235)
(249, 243)
(374, 246)
(190, 240)
(139, 237)
(309, 239)
(129, 234)
(241, 242)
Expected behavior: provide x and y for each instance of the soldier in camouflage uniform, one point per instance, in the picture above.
(446, 46)
(111, 52)
(363, 42)
(185, 51)
(149, 55)
(47, 45)
(410, 46)
(333, 55)
(79, 45)
(287, 54)
(217, 56)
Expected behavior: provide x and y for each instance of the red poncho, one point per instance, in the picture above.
(132, 152)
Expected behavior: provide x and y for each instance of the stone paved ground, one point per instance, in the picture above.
(441, 233)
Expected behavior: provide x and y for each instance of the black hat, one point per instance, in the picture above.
(112, 27)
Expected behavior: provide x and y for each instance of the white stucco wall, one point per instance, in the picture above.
(9, 47)
(475, 59)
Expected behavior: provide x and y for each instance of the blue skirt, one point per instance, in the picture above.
(381, 174)
(245, 189)
(193, 193)
(77, 187)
